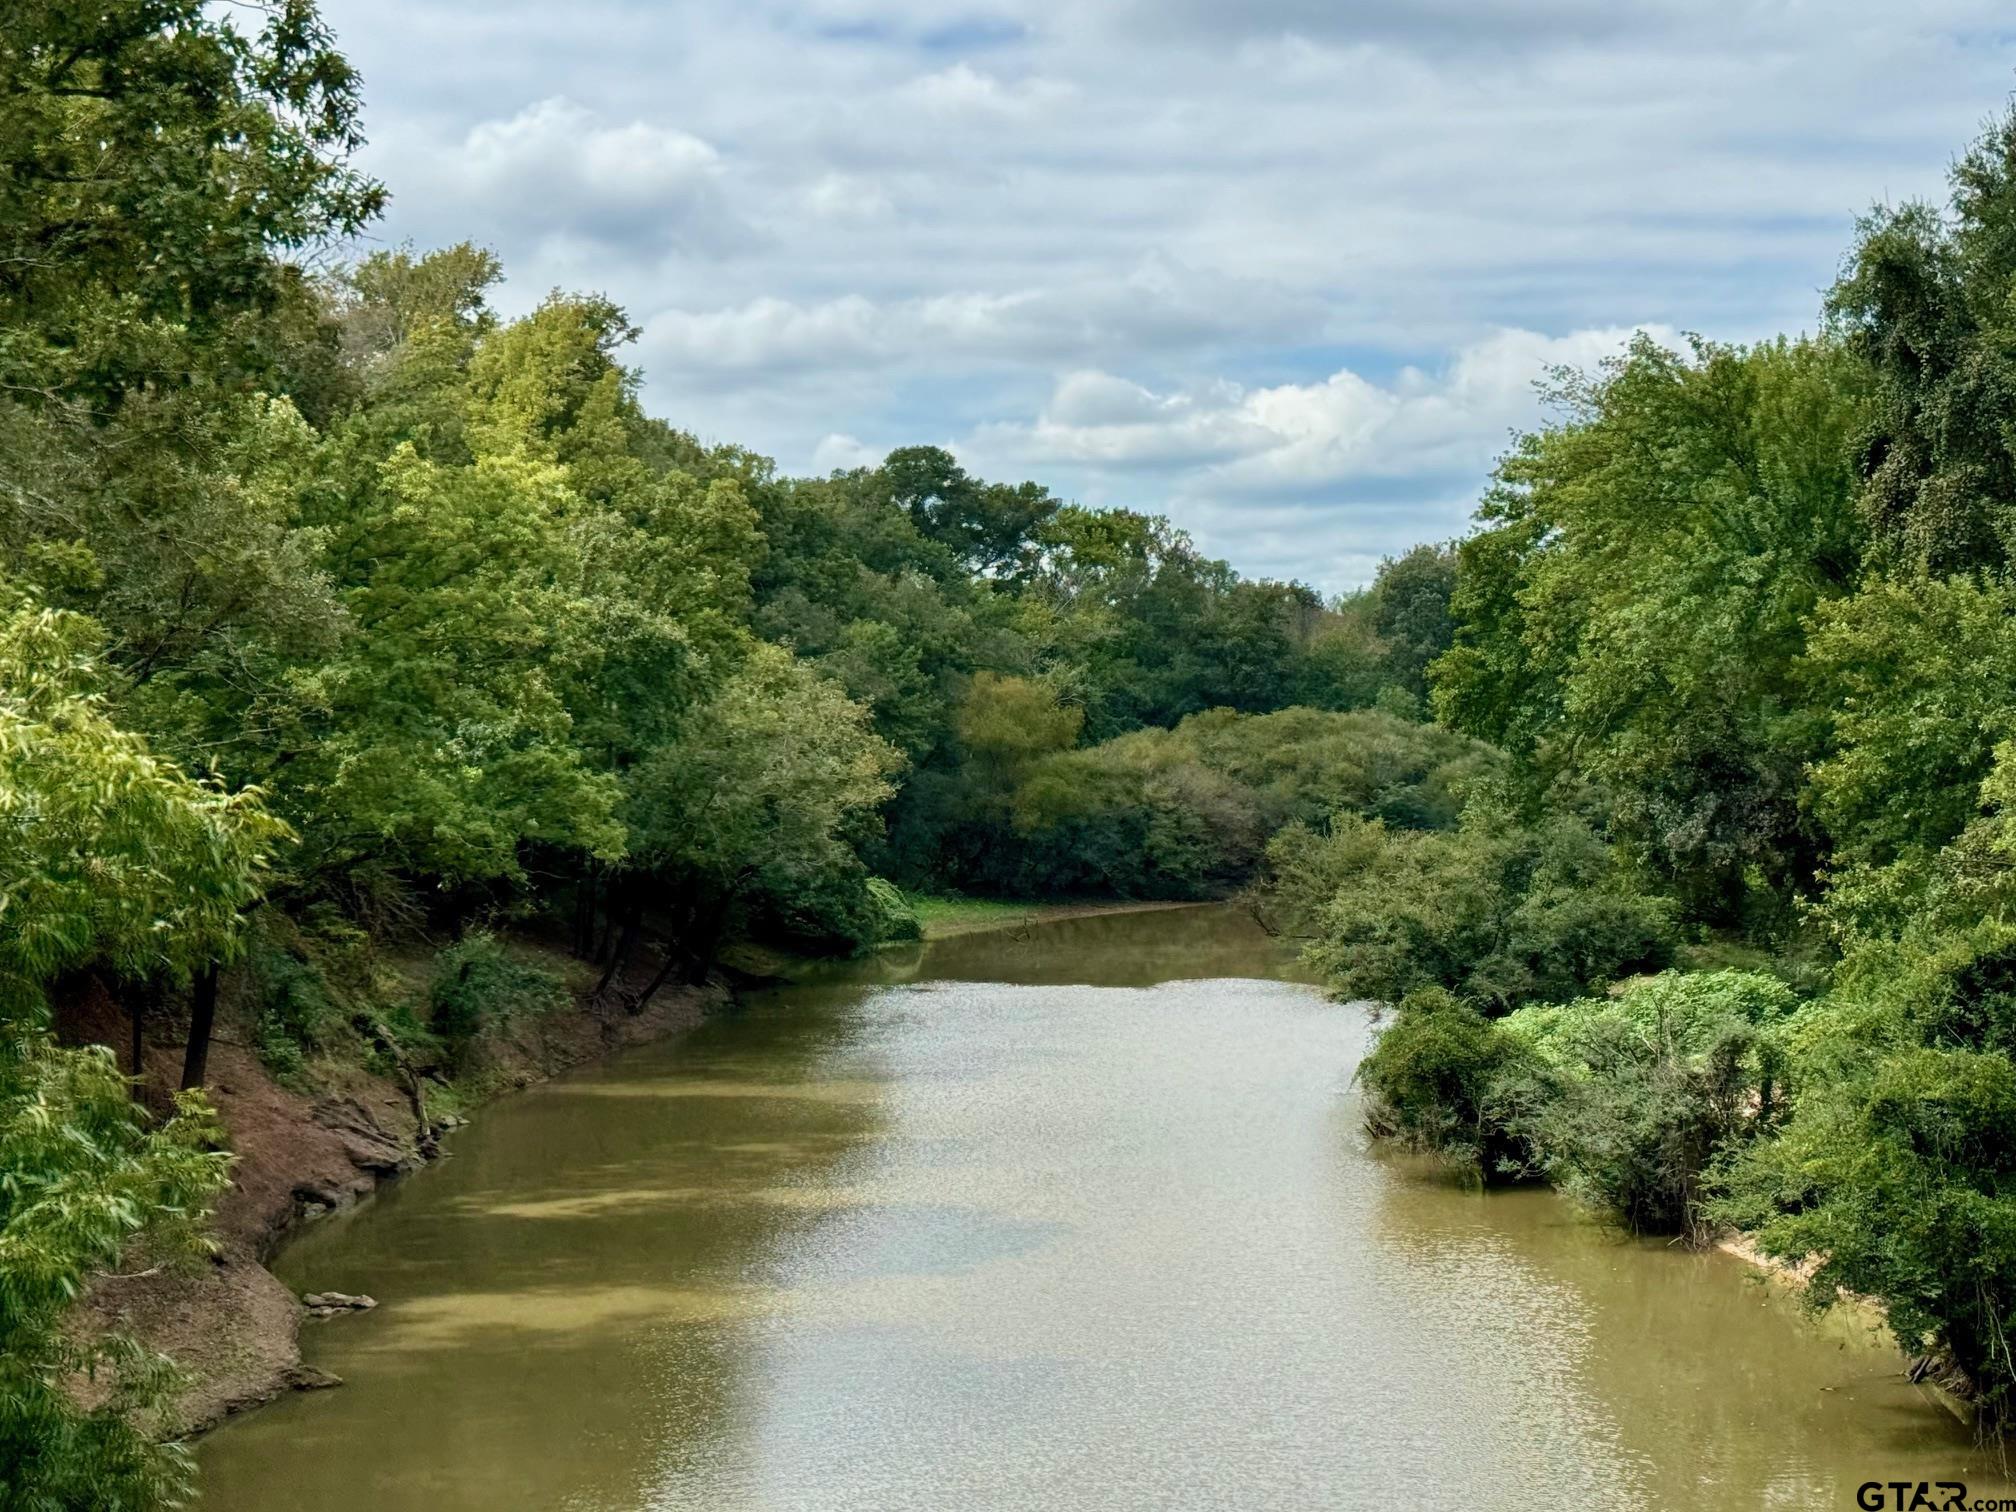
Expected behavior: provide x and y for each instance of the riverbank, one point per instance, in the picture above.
(324, 1143)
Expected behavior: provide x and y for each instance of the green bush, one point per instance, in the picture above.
(895, 918)
(1895, 1176)
(1184, 813)
(480, 985)
(1625, 1102)
(295, 1013)
(1900, 1184)
(1500, 911)
(1436, 1077)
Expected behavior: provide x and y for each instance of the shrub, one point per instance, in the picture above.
(1183, 813)
(1500, 912)
(295, 1012)
(1895, 1175)
(1900, 1183)
(1435, 1079)
(479, 985)
(895, 919)
(1624, 1102)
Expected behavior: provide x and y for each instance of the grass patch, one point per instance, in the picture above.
(939, 917)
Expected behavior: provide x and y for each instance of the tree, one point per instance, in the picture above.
(1636, 610)
(1500, 912)
(990, 527)
(1625, 1101)
(1918, 674)
(759, 803)
(1434, 1079)
(1893, 1181)
(1923, 301)
(110, 856)
(157, 159)
(110, 859)
(1410, 598)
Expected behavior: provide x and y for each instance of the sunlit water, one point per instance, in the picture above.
(1077, 1218)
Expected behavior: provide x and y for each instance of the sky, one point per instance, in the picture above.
(1284, 270)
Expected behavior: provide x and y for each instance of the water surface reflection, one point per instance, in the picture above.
(1077, 1220)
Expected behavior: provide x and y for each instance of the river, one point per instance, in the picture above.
(1073, 1217)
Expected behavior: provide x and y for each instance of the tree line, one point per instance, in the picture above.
(1742, 621)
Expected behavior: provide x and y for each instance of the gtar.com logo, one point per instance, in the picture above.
(1912, 1496)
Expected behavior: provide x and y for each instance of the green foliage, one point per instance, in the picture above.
(1635, 610)
(1152, 630)
(761, 801)
(1499, 911)
(1896, 1182)
(1437, 1076)
(1917, 673)
(1180, 813)
(87, 1181)
(157, 157)
(1625, 1101)
(450, 627)
(109, 856)
(296, 1014)
(110, 859)
(1924, 303)
(895, 916)
(1410, 612)
(479, 985)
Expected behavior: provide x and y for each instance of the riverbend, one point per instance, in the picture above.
(1077, 1216)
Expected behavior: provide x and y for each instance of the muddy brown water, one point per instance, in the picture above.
(1077, 1217)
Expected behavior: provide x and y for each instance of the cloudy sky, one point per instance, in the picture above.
(1282, 269)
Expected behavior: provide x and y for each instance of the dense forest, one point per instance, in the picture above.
(1668, 810)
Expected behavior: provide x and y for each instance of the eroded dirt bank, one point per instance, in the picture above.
(301, 1155)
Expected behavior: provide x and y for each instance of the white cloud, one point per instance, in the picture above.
(555, 170)
(847, 196)
(1270, 474)
(1166, 255)
(1156, 305)
(839, 453)
(1342, 428)
(965, 90)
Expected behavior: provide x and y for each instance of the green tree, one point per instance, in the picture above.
(110, 860)
(1499, 911)
(760, 804)
(158, 157)
(1636, 610)
(1410, 602)
(1894, 1180)
(1920, 676)
(1436, 1079)
(1625, 1101)
(1924, 302)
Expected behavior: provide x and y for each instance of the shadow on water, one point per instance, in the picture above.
(1139, 949)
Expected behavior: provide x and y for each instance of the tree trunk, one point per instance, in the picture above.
(673, 955)
(202, 1019)
(138, 1058)
(584, 914)
(611, 907)
(675, 952)
(626, 944)
(707, 939)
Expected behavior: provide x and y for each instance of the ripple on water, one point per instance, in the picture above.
(960, 1243)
